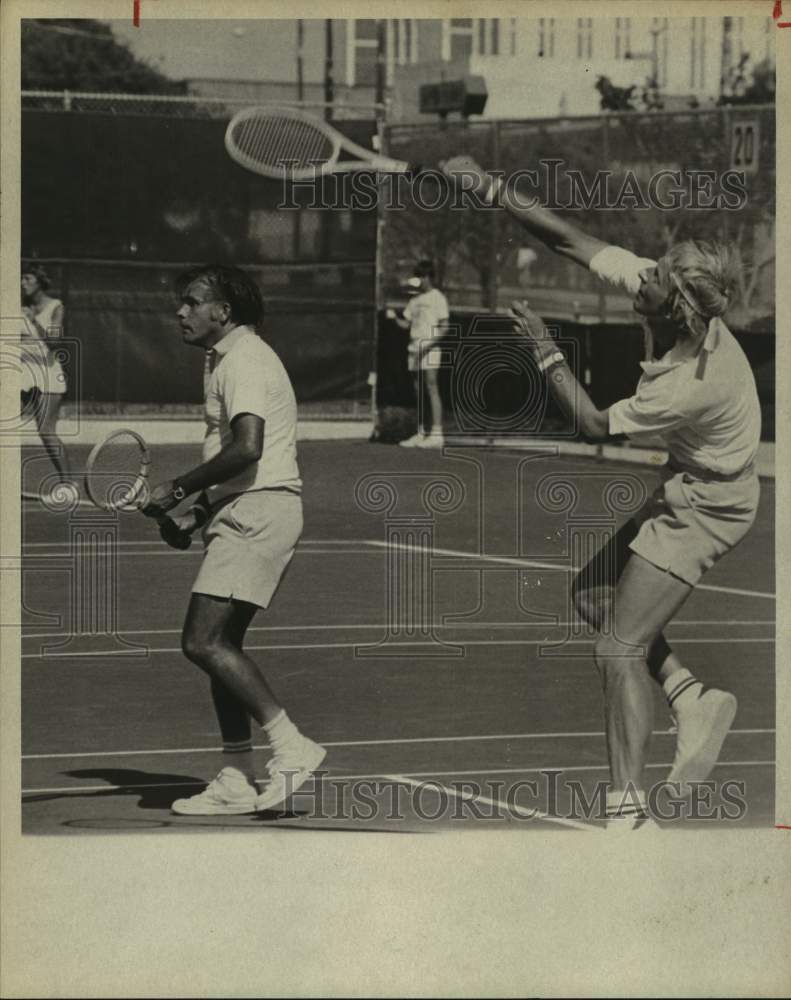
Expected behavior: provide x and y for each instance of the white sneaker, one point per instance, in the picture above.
(229, 794)
(702, 728)
(414, 441)
(288, 771)
(436, 439)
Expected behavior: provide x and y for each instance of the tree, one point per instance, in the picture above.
(614, 98)
(83, 54)
(749, 85)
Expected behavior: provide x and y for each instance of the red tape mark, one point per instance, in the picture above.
(777, 13)
(779, 826)
(136, 13)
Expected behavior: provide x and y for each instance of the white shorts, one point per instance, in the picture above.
(690, 523)
(432, 359)
(249, 543)
(44, 374)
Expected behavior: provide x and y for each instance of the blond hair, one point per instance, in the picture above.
(702, 274)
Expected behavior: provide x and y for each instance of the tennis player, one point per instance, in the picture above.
(425, 316)
(249, 488)
(697, 394)
(43, 381)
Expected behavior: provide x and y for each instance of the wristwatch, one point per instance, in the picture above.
(178, 493)
(556, 358)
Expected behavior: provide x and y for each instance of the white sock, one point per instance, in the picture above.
(626, 803)
(239, 756)
(681, 689)
(281, 731)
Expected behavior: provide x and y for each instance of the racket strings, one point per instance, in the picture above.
(276, 141)
(114, 477)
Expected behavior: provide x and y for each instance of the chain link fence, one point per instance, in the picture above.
(643, 181)
(122, 192)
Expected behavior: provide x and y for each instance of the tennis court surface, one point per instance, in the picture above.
(491, 718)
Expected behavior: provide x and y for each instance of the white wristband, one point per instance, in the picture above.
(558, 358)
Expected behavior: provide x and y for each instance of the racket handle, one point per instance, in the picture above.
(172, 535)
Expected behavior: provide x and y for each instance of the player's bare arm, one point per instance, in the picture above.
(245, 447)
(558, 234)
(570, 394)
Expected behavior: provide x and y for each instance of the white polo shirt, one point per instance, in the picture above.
(703, 407)
(248, 377)
(426, 313)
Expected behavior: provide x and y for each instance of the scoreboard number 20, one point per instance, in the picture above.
(744, 145)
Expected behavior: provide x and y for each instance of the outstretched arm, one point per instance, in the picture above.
(559, 235)
(573, 399)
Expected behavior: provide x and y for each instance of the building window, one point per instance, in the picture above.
(402, 40)
(660, 47)
(488, 36)
(460, 38)
(362, 49)
(546, 37)
(697, 63)
(584, 37)
(400, 44)
(623, 32)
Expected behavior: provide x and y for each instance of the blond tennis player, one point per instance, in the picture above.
(697, 394)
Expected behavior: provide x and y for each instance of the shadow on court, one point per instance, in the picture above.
(156, 790)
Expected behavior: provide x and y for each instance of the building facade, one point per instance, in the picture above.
(533, 67)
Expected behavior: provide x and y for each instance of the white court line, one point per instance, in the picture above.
(158, 544)
(198, 551)
(488, 801)
(438, 625)
(366, 743)
(378, 545)
(408, 645)
(379, 775)
(534, 564)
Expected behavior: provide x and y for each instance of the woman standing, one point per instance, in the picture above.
(43, 380)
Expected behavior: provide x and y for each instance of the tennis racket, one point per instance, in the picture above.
(116, 478)
(285, 143)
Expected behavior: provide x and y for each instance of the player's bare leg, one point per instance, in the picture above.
(232, 715)
(435, 437)
(47, 411)
(702, 718)
(212, 639)
(645, 599)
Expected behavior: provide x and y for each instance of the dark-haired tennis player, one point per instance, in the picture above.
(697, 393)
(250, 489)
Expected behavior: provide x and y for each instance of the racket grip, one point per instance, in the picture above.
(172, 535)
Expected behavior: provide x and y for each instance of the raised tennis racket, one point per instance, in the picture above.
(116, 478)
(285, 143)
